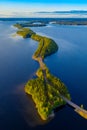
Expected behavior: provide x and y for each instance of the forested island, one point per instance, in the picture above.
(41, 22)
(30, 24)
(46, 88)
(70, 22)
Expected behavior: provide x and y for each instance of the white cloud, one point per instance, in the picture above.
(38, 15)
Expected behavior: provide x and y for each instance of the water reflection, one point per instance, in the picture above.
(27, 108)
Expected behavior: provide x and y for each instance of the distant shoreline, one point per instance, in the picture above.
(27, 22)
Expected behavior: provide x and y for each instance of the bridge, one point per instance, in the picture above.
(82, 112)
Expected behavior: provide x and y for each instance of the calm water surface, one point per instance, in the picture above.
(17, 111)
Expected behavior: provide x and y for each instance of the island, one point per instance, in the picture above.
(30, 24)
(41, 22)
(45, 89)
(69, 22)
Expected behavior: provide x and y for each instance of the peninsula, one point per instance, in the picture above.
(46, 88)
(30, 24)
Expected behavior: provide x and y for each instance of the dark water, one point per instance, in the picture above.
(17, 111)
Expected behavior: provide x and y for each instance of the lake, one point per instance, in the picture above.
(17, 110)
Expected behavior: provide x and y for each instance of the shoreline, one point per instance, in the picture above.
(46, 105)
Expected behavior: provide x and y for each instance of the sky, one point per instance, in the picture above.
(27, 8)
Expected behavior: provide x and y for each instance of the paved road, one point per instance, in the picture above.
(78, 109)
(82, 112)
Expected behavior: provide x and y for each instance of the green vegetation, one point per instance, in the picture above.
(17, 25)
(41, 23)
(53, 81)
(82, 106)
(46, 47)
(36, 37)
(46, 88)
(29, 24)
(25, 32)
(45, 92)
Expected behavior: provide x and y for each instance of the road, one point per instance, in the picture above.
(82, 112)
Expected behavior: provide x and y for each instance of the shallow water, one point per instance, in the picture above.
(17, 111)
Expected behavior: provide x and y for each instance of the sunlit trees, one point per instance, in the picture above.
(46, 88)
(46, 96)
(25, 32)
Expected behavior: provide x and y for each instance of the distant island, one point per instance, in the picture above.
(63, 12)
(46, 88)
(44, 22)
(30, 24)
(70, 22)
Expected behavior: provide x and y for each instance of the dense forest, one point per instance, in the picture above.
(25, 32)
(46, 88)
(46, 93)
(46, 45)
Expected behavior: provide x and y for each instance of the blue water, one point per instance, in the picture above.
(17, 111)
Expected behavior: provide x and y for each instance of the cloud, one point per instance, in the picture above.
(28, 14)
